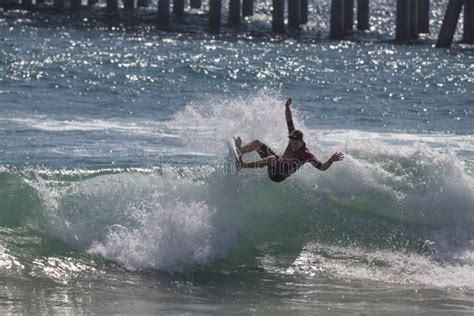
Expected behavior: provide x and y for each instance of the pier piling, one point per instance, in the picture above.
(234, 12)
(337, 19)
(348, 15)
(247, 8)
(112, 6)
(75, 5)
(304, 11)
(424, 16)
(215, 8)
(178, 7)
(413, 19)
(294, 13)
(278, 16)
(196, 4)
(363, 15)
(450, 21)
(58, 4)
(27, 4)
(163, 9)
(402, 32)
(128, 5)
(468, 34)
(142, 3)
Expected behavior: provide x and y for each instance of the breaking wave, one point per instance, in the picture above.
(395, 195)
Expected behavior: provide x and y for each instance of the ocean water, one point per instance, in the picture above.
(114, 192)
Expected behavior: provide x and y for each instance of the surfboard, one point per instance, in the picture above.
(233, 165)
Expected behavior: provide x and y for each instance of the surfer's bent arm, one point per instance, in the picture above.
(315, 162)
(289, 117)
(325, 166)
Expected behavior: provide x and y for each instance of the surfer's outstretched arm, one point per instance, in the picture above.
(289, 117)
(335, 157)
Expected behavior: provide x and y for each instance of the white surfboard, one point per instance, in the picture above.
(233, 165)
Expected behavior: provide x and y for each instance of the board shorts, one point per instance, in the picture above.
(274, 172)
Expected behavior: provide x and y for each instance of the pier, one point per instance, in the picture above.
(412, 17)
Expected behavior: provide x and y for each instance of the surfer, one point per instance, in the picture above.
(296, 153)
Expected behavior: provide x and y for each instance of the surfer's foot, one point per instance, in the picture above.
(238, 142)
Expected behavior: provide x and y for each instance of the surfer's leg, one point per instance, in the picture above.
(265, 162)
(254, 145)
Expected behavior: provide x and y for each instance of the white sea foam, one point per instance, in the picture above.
(169, 236)
(138, 219)
(355, 263)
